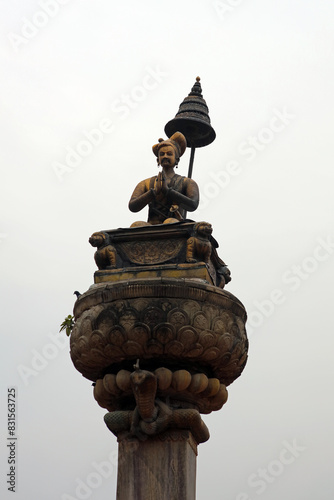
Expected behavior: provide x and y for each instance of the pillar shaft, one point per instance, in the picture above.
(159, 468)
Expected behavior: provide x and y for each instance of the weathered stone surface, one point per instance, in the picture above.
(196, 271)
(162, 467)
(170, 323)
(205, 394)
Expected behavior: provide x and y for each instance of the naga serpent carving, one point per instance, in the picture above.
(152, 416)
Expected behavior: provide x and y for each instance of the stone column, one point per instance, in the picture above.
(162, 467)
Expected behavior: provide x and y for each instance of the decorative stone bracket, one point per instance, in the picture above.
(152, 416)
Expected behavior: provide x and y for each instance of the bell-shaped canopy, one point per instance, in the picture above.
(193, 120)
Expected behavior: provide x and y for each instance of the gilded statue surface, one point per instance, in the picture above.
(168, 195)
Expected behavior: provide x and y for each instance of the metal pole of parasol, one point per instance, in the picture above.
(191, 161)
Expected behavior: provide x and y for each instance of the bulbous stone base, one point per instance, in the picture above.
(163, 322)
(190, 334)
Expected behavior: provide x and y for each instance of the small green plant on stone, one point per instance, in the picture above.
(67, 325)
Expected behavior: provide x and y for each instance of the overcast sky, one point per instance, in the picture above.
(86, 90)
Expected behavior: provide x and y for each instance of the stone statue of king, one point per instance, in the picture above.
(168, 195)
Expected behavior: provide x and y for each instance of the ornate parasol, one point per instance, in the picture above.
(193, 121)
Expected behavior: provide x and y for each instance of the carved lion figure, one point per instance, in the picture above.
(105, 256)
(199, 246)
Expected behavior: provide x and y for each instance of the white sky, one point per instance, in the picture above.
(258, 60)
